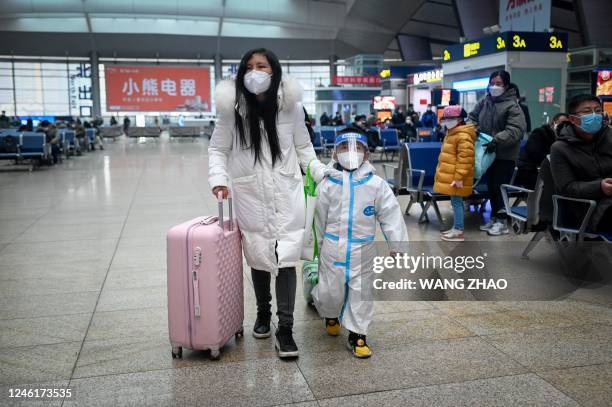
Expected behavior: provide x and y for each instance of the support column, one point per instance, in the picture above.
(333, 68)
(218, 68)
(95, 84)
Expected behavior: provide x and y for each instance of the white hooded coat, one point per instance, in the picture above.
(268, 201)
(349, 205)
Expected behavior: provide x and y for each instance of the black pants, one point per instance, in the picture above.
(500, 172)
(285, 294)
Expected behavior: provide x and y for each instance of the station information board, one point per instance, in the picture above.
(507, 41)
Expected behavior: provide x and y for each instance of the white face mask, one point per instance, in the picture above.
(496, 91)
(350, 160)
(257, 82)
(449, 123)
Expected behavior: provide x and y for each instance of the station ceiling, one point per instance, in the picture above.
(294, 29)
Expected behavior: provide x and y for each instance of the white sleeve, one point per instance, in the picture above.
(303, 146)
(389, 215)
(219, 150)
(322, 209)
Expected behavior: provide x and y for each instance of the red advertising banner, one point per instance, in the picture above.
(356, 80)
(157, 88)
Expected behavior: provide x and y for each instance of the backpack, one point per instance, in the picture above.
(482, 159)
(9, 145)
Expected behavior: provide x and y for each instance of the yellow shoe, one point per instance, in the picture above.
(332, 326)
(357, 344)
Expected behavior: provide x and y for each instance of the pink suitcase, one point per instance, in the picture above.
(205, 295)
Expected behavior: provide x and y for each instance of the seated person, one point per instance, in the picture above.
(374, 141)
(535, 151)
(581, 159)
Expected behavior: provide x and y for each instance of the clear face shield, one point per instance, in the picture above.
(350, 152)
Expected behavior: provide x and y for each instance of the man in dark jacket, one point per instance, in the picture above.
(429, 118)
(5, 123)
(324, 120)
(535, 151)
(581, 159)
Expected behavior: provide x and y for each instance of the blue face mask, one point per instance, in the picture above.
(591, 123)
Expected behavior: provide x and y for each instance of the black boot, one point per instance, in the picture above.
(261, 329)
(285, 345)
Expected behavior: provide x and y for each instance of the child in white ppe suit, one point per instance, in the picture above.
(351, 200)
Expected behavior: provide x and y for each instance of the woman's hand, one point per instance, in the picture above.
(224, 191)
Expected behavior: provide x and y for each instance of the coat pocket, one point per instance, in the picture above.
(249, 203)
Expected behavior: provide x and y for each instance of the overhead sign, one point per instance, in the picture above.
(507, 41)
(524, 15)
(426, 77)
(157, 88)
(356, 80)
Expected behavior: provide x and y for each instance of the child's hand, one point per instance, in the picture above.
(457, 183)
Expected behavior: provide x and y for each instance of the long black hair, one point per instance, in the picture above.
(255, 109)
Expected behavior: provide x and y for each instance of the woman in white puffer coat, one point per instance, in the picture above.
(258, 146)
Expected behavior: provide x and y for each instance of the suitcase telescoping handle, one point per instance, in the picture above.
(231, 217)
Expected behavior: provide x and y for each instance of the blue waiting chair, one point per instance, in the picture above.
(422, 163)
(564, 219)
(328, 136)
(10, 143)
(91, 136)
(70, 141)
(390, 141)
(317, 145)
(425, 134)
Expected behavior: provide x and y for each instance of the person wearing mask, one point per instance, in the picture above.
(398, 118)
(352, 200)
(429, 118)
(337, 120)
(373, 137)
(324, 119)
(455, 170)
(499, 115)
(410, 130)
(53, 138)
(259, 144)
(416, 121)
(536, 149)
(30, 124)
(5, 122)
(410, 110)
(581, 159)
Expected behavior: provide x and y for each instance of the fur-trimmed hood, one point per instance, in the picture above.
(289, 93)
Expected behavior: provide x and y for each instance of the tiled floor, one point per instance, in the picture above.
(83, 306)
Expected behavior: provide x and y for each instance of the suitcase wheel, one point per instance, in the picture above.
(215, 354)
(240, 333)
(177, 352)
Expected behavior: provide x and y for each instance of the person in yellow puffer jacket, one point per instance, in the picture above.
(455, 171)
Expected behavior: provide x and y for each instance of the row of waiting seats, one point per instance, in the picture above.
(325, 138)
(22, 146)
(540, 210)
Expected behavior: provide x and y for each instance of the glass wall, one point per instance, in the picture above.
(45, 88)
(39, 86)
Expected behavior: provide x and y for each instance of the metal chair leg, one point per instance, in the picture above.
(410, 203)
(424, 207)
(438, 214)
(532, 244)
